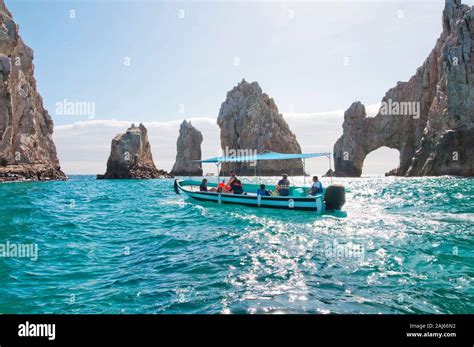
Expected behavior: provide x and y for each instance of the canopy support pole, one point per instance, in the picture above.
(304, 171)
(291, 175)
(330, 166)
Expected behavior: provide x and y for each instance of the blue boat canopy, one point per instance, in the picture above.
(262, 156)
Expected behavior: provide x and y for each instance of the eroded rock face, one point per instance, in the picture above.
(130, 156)
(27, 150)
(249, 120)
(435, 136)
(188, 149)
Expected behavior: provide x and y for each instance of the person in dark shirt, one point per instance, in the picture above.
(236, 187)
(262, 191)
(283, 186)
(232, 178)
(203, 186)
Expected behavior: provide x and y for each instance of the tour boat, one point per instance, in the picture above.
(332, 199)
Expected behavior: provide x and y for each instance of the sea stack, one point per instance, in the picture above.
(130, 156)
(250, 122)
(188, 149)
(27, 150)
(430, 118)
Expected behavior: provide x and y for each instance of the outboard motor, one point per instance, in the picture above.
(176, 189)
(335, 197)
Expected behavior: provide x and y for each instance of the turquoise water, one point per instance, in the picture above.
(131, 246)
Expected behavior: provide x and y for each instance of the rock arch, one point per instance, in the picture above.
(381, 160)
(437, 136)
(363, 135)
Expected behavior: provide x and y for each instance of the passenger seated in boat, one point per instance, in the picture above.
(262, 191)
(283, 186)
(203, 186)
(223, 188)
(232, 178)
(236, 187)
(316, 187)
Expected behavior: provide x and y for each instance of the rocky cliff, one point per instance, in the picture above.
(429, 119)
(188, 149)
(130, 156)
(27, 150)
(250, 121)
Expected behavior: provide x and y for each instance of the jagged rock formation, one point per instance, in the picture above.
(188, 149)
(249, 121)
(130, 156)
(437, 136)
(27, 150)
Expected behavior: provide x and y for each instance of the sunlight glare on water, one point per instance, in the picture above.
(133, 246)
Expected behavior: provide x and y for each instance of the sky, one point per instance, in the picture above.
(159, 62)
